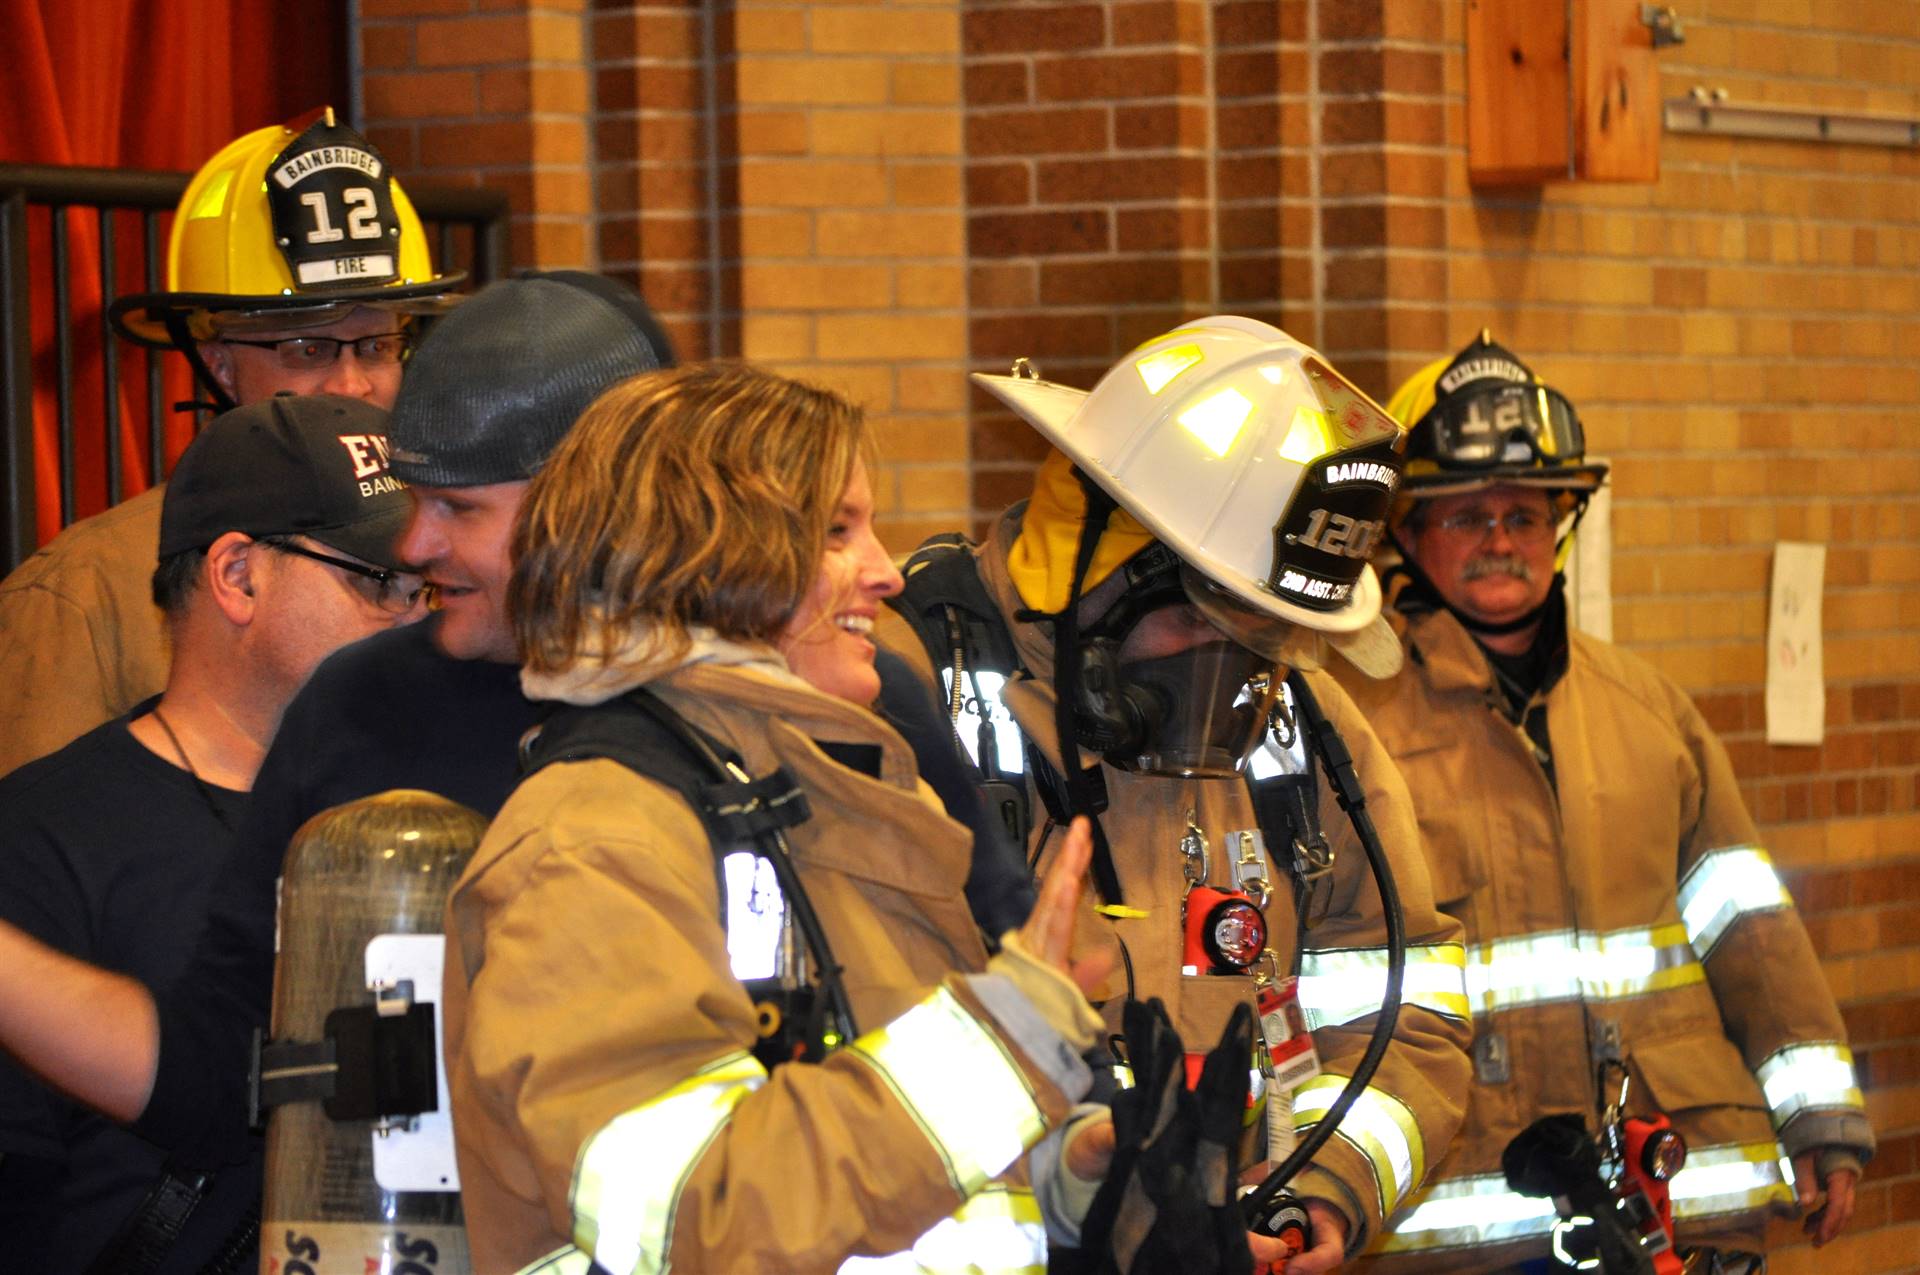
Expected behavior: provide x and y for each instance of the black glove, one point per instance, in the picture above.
(1168, 1203)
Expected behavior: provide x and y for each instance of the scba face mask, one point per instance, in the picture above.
(1162, 689)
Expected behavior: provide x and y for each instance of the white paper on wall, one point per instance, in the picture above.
(1796, 678)
(1590, 568)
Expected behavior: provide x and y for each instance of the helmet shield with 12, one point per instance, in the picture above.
(290, 226)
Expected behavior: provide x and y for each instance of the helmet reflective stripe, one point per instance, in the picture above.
(1481, 1210)
(1801, 1078)
(971, 1099)
(1008, 753)
(1570, 965)
(756, 916)
(1724, 886)
(627, 1182)
(1342, 985)
(997, 1232)
(1378, 1125)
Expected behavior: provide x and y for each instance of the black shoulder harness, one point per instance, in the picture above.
(641, 732)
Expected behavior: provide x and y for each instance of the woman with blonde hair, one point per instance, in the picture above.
(700, 550)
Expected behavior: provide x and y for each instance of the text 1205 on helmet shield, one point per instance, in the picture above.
(1323, 541)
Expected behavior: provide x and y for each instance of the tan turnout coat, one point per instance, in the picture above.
(80, 639)
(1635, 899)
(588, 975)
(1424, 1072)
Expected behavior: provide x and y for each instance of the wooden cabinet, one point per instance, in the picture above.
(1561, 90)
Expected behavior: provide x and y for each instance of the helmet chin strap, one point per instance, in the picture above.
(176, 326)
(1085, 792)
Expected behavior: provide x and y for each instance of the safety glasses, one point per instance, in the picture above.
(395, 592)
(1502, 423)
(311, 353)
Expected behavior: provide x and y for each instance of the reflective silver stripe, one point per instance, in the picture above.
(628, 1179)
(1558, 965)
(1378, 1125)
(1273, 757)
(1007, 749)
(1724, 886)
(562, 1261)
(756, 915)
(969, 1096)
(997, 1232)
(1801, 1078)
(1466, 1212)
(1481, 1210)
(1731, 1179)
(1339, 985)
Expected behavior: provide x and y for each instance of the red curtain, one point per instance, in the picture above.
(159, 84)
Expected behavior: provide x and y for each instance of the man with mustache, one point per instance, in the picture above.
(1624, 924)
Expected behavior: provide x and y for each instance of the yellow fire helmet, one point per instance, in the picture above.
(1480, 418)
(289, 226)
(1242, 450)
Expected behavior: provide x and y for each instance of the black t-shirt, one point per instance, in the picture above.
(389, 711)
(392, 711)
(107, 852)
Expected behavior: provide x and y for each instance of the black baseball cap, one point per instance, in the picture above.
(307, 465)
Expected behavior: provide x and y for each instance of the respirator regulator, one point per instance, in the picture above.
(1162, 689)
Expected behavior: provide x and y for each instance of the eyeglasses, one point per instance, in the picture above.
(312, 353)
(1523, 526)
(395, 592)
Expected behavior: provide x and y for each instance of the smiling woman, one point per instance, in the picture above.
(676, 1050)
(707, 497)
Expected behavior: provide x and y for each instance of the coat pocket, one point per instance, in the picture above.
(1454, 828)
(1454, 836)
(1701, 1069)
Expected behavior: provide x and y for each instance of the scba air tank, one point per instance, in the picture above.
(353, 1188)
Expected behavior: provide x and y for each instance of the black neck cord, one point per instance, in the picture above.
(1338, 763)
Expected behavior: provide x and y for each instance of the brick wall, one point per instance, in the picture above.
(1741, 339)
(885, 195)
(846, 121)
(491, 94)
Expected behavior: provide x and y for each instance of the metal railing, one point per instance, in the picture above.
(468, 226)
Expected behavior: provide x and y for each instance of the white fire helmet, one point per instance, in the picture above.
(1249, 456)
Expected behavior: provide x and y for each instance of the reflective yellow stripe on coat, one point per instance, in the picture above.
(968, 1097)
(1481, 1210)
(998, 1232)
(1340, 985)
(1561, 965)
(627, 1181)
(1378, 1125)
(1801, 1078)
(1724, 886)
